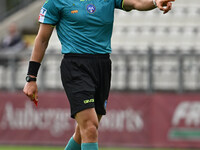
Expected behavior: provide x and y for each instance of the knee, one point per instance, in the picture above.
(88, 124)
(89, 130)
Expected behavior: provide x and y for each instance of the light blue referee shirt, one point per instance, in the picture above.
(83, 26)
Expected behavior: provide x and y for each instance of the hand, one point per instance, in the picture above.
(31, 90)
(164, 5)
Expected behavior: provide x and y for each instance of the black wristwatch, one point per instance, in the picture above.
(29, 79)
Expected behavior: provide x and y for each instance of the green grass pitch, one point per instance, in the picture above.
(62, 148)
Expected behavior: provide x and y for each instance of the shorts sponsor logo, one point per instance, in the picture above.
(91, 8)
(88, 101)
(186, 121)
(43, 12)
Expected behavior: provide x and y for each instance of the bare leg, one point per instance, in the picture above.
(88, 124)
(77, 134)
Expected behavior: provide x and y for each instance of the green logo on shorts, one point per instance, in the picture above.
(88, 101)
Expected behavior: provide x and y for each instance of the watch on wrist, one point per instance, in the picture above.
(29, 79)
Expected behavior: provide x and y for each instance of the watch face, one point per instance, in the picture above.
(28, 79)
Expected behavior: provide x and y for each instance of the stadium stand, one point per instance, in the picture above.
(180, 28)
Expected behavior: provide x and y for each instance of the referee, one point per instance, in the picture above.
(84, 28)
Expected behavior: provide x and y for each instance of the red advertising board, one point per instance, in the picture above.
(133, 119)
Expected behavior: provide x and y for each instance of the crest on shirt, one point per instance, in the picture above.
(91, 8)
(43, 12)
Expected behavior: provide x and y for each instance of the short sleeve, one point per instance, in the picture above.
(49, 13)
(118, 4)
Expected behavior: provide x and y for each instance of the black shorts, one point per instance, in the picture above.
(86, 80)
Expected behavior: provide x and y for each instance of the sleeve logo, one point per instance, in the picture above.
(43, 12)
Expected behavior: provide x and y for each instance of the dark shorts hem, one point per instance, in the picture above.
(79, 110)
(84, 108)
(101, 114)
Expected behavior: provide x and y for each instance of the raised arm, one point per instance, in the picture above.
(41, 43)
(144, 5)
